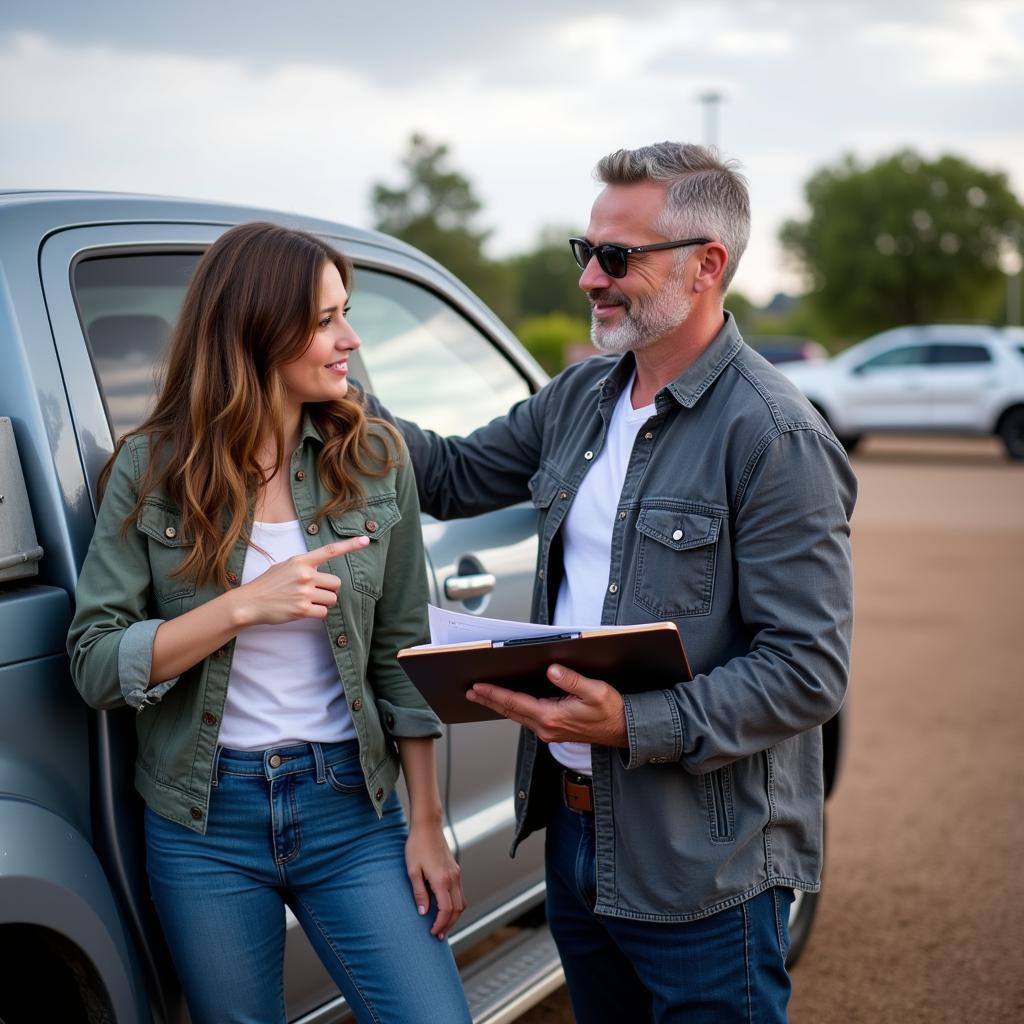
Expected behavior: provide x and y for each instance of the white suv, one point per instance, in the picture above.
(944, 378)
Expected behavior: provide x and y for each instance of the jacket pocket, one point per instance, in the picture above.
(168, 548)
(676, 555)
(718, 786)
(375, 521)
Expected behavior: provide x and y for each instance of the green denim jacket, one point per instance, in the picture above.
(126, 590)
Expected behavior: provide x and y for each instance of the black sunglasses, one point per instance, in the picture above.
(611, 258)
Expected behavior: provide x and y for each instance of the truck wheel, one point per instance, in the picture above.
(43, 977)
(1011, 432)
(801, 920)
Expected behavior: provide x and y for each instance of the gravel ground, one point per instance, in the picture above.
(921, 917)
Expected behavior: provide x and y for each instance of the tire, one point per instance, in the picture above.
(801, 921)
(1011, 432)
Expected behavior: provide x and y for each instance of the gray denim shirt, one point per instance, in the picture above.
(733, 522)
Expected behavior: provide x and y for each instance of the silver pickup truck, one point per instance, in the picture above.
(90, 285)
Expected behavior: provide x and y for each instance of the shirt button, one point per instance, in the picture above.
(342, 640)
(677, 534)
(540, 574)
(196, 813)
(170, 533)
(209, 718)
(588, 455)
(521, 795)
(563, 495)
(371, 525)
(313, 528)
(232, 577)
(275, 761)
(622, 515)
(613, 589)
(648, 436)
(380, 793)
(658, 760)
(300, 475)
(357, 704)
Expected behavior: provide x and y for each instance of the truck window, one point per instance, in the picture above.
(426, 362)
(127, 306)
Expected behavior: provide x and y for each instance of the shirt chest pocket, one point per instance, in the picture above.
(676, 556)
(168, 548)
(375, 521)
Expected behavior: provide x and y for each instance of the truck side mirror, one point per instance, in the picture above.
(19, 551)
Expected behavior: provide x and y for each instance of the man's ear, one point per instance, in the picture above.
(711, 268)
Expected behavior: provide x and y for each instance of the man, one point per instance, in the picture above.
(680, 478)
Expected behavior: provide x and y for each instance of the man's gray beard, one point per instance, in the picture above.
(645, 322)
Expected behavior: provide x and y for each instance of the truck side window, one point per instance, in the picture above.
(127, 306)
(426, 362)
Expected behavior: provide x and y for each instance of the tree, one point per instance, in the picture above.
(548, 337)
(548, 277)
(434, 210)
(904, 240)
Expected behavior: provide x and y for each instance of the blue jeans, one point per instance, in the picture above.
(304, 834)
(729, 968)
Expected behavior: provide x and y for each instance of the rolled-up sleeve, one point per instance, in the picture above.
(110, 642)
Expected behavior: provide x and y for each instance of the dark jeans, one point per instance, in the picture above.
(729, 968)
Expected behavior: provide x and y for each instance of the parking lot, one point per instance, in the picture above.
(922, 919)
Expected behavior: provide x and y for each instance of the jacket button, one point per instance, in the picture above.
(677, 534)
(220, 652)
(196, 813)
(313, 528)
(540, 574)
(588, 455)
(232, 577)
(390, 721)
(613, 588)
(300, 475)
(648, 436)
(357, 704)
(209, 718)
(170, 533)
(371, 525)
(342, 640)
(563, 495)
(659, 760)
(521, 795)
(380, 793)
(275, 761)
(622, 515)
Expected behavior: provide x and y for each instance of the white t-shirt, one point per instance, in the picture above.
(284, 686)
(587, 541)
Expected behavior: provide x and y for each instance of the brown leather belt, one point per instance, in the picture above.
(577, 791)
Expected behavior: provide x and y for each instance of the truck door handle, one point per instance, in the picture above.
(465, 588)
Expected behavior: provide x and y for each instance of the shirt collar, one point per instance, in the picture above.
(688, 387)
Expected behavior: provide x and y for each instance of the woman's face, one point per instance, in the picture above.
(320, 374)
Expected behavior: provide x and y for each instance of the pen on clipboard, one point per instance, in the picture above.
(523, 641)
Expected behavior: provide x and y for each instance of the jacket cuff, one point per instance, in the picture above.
(411, 723)
(134, 661)
(653, 728)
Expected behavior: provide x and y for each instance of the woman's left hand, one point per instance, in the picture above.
(432, 869)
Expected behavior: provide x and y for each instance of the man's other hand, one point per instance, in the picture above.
(590, 712)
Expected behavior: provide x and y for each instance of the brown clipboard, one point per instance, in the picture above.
(649, 656)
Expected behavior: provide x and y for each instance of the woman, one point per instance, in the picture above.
(256, 564)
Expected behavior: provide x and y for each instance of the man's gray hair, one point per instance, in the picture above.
(707, 196)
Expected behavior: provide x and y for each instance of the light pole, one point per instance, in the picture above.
(710, 101)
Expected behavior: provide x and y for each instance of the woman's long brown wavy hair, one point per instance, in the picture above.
(251, 307)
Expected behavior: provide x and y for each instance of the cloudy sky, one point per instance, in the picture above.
(301, 106)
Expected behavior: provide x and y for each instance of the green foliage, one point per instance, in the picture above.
(548, 337)
(548, 277)
(433, 210)
(904, 240)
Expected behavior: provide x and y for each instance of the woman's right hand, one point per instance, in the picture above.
(294, 589)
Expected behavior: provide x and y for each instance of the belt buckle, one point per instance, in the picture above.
(578, 796)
